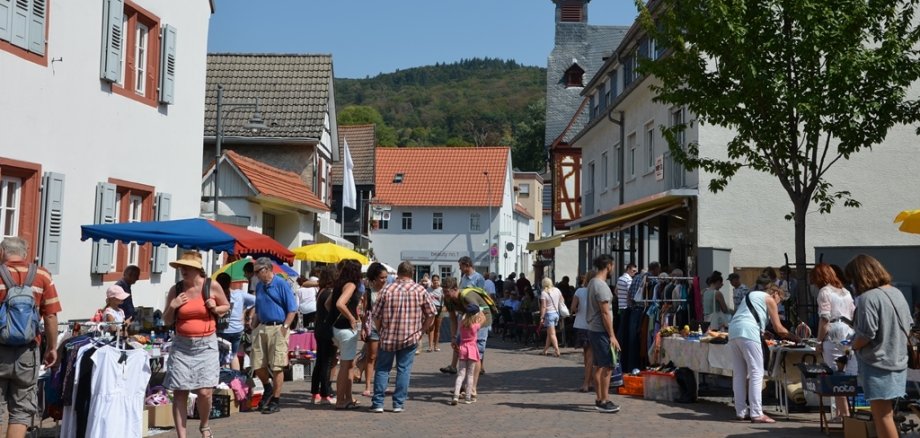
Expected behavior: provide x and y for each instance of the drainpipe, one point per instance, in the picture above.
(622, 180)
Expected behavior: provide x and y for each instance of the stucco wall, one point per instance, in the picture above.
(65, 118)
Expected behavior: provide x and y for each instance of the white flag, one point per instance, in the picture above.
(349, 192)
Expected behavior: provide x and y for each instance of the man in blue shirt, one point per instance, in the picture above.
(469, 278)
(275, 310)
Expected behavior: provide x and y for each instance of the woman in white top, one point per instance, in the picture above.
(307, 301)
(580, 310)
(549, 314)
(835, 308)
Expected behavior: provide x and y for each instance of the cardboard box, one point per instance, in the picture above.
(220, 407)
(858, 428)
(160, 416)
(144, 422)
(234, 405)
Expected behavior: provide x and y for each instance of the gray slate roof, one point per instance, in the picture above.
(362, 139)
(587, 45)
(293, 92)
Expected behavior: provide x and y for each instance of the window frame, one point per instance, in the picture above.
(16, 207)
(605, 163)
(134, 14)
(475, 226)
(616, 164)
(631, 144)
(141, 49)
(26, 54)
(650, 145)
(30, 175)
(437, 221)
(524, 189)
(124, 190)
(407, 220)
(445, 268)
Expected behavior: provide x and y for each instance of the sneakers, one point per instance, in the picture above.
(449, 370)
(272, 407)
(606, 406)
(317, 399)
(468, 401)
(398, 409)
(376, 410)
(330, 400)
(453, 401)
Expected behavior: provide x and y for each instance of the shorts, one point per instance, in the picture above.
(581, 338)
(374, 336)
(270, 348)
(879, 384)
(550, 319)
(18, 377)
(600, 346)
(233, 339)
(346, 340)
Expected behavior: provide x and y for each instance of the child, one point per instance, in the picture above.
(468, 352)
(114, 296)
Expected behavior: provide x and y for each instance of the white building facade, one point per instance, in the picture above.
(102, 102)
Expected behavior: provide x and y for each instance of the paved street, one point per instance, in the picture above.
(522, 395)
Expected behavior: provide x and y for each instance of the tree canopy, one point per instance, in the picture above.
(802, 83)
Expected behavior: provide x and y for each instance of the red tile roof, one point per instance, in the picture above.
(274, 182)
(441, 176)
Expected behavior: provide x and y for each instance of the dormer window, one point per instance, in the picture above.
(398, 178)
(574, 76)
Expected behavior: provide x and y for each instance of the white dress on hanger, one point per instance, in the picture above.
(117, 404)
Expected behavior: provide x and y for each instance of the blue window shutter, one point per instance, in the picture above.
(103, 251)
(52, 219)
(6, 19)
(37, 16)
(20, 24)
(112, 50)
(160, 253)
(168, 65)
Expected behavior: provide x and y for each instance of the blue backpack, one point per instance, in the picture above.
(18, 314)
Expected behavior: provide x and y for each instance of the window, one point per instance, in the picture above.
(407, 220)
(139, 44)
(20, 184)
(593, 107)
(608, 94)
(605, 171)
(629, 66)
(140, 59)
(574, 76)
(398, 178)
(133, 203)
(437, 221)
(602, 97)
(23, 29)
(135, 208)
(384, 223)
(616, 163)
(614, 87)
(446, 271)
(10, 205)
(650, 145)
(591, 175)
(631, 160)
(268, 224)
(524, 190)
(571, 12)
(474, 222)
(677, 119)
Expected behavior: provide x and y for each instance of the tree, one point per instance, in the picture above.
(363, 114)
(803, 84)
(527, 144)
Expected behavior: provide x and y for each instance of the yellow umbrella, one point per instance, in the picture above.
(327, 253)
(910, 221)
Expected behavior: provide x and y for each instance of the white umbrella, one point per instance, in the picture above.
(389, 268)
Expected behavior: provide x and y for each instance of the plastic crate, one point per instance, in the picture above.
(660, 386)
(633, 385)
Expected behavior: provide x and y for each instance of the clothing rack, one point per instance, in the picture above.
(667, 300)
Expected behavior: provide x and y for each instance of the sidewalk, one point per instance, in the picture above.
(523, 394)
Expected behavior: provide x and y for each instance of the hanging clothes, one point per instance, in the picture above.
(119, 383)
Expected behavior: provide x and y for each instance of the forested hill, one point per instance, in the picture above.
(470, 102)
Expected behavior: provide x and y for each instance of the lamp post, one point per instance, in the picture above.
(489, 188)
(255, 124)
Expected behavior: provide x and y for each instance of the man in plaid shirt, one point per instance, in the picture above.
(401, 314)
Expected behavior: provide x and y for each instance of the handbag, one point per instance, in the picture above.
(913, 350)
(763, 342)
(563, 309)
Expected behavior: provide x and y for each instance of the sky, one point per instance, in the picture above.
(367, 37)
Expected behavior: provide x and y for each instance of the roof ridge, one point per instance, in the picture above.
(268, 54)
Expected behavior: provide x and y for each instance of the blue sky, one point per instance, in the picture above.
(367, 37)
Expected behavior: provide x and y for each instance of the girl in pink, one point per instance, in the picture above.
(468, 352)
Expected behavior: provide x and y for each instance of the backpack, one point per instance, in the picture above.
(18, 314)
(485, 297)
(222, 322)
(686, 382)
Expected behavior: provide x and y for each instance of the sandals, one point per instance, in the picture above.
(367, 393)
(206, 429)
(351, 405)
(763, 420)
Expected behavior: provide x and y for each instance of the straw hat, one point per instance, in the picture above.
(191, 259)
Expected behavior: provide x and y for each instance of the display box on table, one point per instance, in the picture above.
(832, 385)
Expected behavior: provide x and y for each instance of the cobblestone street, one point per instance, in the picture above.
(523, 394)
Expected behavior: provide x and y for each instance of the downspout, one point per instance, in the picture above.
(621, 179)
